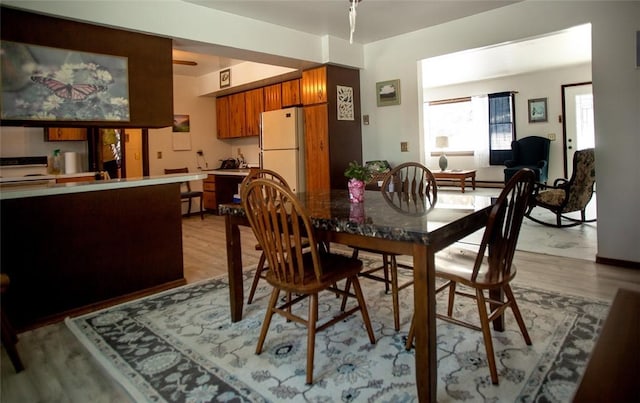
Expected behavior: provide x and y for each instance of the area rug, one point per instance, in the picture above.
(180, 346)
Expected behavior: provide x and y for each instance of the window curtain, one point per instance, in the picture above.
(480, 107)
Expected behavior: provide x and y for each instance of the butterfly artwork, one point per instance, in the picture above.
(73, 92)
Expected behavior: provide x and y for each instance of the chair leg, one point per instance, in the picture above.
(363, 309)
(311, 335)
(411, 334)
(394, 293)
(267, 319)
(189, 208)
(256, 277)
(385, 270)
(201, 210)
(452, 297)
(486, 334)
(347, 287)
(516, 312)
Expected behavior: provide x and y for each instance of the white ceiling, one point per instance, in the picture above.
(330, 17)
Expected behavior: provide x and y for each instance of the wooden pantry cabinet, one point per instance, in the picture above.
(330, 143)
(65, 134)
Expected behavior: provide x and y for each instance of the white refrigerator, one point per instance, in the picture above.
(282, 145)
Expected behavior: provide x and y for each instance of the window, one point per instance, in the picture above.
(463, 121)
(502, 128)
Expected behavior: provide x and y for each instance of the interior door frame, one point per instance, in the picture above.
(564, 123)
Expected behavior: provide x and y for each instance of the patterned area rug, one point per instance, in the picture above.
(180, 346)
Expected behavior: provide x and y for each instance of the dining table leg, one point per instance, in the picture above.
(425, 320)
(234, 267)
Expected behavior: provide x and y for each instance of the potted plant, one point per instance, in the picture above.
(358, 175)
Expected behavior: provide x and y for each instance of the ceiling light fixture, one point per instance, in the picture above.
(352, 18)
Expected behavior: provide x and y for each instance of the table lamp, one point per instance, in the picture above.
(442, 142)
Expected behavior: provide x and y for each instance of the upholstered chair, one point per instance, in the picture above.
(529, 152)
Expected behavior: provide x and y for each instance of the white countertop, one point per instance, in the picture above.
(228, 172)
(44, 177)
(49, 189)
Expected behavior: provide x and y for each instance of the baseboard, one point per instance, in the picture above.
(617, 262)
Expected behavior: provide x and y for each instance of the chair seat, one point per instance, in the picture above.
(190, 194)
(457, 265)
(553, 197)
(335, 268)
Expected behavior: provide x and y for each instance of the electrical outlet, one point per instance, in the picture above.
(159, 155)
(404, 146)
(200, 152)
(551, 136)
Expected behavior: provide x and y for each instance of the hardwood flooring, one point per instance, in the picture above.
(59, 369)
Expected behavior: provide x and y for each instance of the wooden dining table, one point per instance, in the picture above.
(382, 224)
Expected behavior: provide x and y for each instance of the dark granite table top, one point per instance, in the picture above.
(383, 216)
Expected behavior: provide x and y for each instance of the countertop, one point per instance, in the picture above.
(44, 177)
(228, 172)
(49, 189)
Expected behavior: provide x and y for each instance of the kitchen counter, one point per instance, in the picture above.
(228, 172)
(50, 189)
(44, 177)
(72, 247)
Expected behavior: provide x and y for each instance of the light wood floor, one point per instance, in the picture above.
(59, 369)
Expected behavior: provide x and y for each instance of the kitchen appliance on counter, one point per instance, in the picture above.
(282, 145)
(17, 171)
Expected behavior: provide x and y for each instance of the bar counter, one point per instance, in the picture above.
(70, 248)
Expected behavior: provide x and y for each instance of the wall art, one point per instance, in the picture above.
(41, 83)
(345, 103)
(388, 92)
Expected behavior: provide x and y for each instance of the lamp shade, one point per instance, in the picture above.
(442, 141)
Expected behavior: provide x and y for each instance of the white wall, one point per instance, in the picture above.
(616, 85)
(544, 84)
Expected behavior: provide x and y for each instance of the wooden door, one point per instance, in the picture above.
(222, 117)
(273, 97)
(237, 115)
(314, 86)
(316, 126)
(291, 93)
(254, 106)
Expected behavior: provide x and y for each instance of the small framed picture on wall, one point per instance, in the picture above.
(537, 110)
(225, 78)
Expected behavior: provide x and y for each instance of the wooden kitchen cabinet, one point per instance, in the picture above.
(65, 134)
(273, 97)
(291, 93)
(314, 86)
(254, 106)
(331, 143)
(222, 117)
(237, 115)
(68, 179)
(209, 191)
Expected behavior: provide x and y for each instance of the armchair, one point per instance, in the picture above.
(529, 152)
(566, 196)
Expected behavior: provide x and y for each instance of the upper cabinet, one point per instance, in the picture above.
(291, 93)
(254, 106)
(222, 117)
(273, 97)
(314, 86)
(237, 125)
(65, 134)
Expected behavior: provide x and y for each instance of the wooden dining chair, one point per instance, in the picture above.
(280, 224)
(9, 337)
(409, 188)
(188, 194)
(493, 272)
(261, 270)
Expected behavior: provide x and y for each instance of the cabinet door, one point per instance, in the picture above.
(316, 127)
(237, 115)
(222, 117)
(314, 86)
(273, 97)
(291, 93)
(209, 187)
(254, 106)
(65, 134)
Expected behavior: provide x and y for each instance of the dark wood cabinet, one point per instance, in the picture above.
(209, 200)
(330, 143)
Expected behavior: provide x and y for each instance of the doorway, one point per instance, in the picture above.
(577, 124)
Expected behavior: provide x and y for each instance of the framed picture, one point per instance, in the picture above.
(388, 92)
(225, 78)
(345, 102)
(537, 110)
(181, 123)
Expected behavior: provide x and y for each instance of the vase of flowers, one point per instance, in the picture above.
(358, 176)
